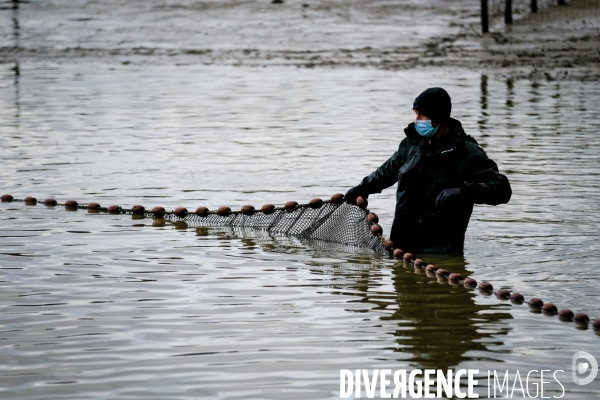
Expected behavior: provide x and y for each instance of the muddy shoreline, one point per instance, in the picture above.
(557, 43)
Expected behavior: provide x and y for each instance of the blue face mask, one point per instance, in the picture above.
(424, 128)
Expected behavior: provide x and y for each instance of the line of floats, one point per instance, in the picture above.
(536, 304)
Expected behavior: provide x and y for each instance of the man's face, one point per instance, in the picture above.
(423, 117)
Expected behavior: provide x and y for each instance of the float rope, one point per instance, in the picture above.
(329, 220)
(320, 219)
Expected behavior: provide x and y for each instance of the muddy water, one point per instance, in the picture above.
(160, 28)
(98, 306)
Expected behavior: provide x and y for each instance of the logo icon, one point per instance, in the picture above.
(580, 367)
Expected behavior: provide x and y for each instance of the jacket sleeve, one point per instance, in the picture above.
(484, 184)
(384, 176)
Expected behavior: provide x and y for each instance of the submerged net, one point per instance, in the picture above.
(331, 221)
(327, 224)
(340, 223)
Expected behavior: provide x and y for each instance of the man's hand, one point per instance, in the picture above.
(450, 198)
(353, 193)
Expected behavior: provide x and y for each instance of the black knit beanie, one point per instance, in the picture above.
(434, 103)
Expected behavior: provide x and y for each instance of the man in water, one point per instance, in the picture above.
(441, 173)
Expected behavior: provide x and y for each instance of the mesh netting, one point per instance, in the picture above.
(340, 223)
(327, 225)
(329, 221)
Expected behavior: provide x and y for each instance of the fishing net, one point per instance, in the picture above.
(340, 223)
(330, 224)
(329, 221)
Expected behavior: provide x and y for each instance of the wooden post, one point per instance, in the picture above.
(562, 3)
(533, 6)
(508, 12)
(485, 26)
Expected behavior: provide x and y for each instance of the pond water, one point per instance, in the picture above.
(104, 306)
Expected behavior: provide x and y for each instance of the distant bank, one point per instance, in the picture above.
(556, 43)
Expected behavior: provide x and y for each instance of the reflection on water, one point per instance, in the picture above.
(446, 325)
(484, 106)
(98, 305)
(439, 326)
(16, 69)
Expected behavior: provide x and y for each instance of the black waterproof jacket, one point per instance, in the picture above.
(423, 168)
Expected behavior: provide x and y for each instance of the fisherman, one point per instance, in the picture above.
(441, 173)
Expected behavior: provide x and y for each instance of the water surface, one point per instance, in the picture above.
(98, 306)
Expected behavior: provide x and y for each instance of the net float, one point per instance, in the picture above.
(431, 268)
(388, 245)
(408, 256)
(138, 209)
(549, 308)
(372, 218)
(202, 211)
(470, 283)
(376, 229)
(398, 253)
(290, 205)
(455, 277)
(517, 297)
(315, 203)
(442, 272)
(486, 287)
(248, 209)
(268, 209)
(158, 212)
(181, 212)
(362, 202)
(71, 204)
(503, 294)
(114, 209)
(419, 262)
(30, 200)
(50, 202)
(566, 315)
(7, 198)
(581, 318)
(223, 211)
(536, 303)
(337, 198)
(93, 206)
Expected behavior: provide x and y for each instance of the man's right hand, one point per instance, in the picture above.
(353, 193)
(450, 198)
